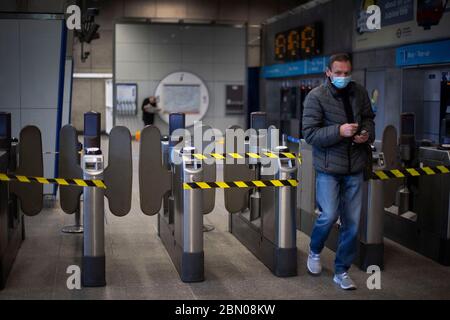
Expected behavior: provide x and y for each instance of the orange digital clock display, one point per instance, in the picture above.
(280, 46)
(293, 44)
(300, 43)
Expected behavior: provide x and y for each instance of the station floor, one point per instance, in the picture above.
(138, 267)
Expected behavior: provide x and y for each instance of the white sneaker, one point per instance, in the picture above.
(313, 264)
(344, 281)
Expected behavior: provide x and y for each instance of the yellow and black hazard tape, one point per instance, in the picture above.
(376, 175)
(240, 184)
(58, 181)
(409, 172)
(247, 155)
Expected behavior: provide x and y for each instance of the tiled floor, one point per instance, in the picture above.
(138, 267)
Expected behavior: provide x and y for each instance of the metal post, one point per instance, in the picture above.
(192, 220)
(373, 222)
(77, 227)
(285, 206)
(94, 225)
(193, 217)
(372, 226)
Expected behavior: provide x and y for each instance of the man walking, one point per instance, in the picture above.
(338, 123)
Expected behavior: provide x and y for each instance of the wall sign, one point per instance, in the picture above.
(234, 96)
(297, 68)
(402, 22)
(299, 43)
(183, 92)
(426, 53)
(126, 99)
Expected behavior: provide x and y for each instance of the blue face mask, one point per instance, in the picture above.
(341, 82)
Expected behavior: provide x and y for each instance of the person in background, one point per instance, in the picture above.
(149, 108)
(338, 123)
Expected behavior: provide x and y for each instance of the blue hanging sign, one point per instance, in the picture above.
(424, 53)
(297, 68)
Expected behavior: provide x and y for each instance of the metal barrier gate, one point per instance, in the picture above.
(263, 219)
(165, 164)
(117, 177)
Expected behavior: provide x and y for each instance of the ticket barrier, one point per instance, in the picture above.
(118, 180)
(166, 163)
(263, 219)
(17, 199)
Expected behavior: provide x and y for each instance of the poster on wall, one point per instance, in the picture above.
(234, 99)
(183, 92)
(402, 22)
(126, 95)
(181, 98)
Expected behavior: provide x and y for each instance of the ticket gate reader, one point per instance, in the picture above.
(17, 199)
(117, 178)
(164, 165)
(263, 220)
(417, 212)
(434, 207)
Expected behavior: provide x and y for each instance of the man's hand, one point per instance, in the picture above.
(348, 130)
(361, 138)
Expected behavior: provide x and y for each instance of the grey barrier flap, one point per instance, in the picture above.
(306, 174)
(209, 174)
(236, 199)
(390, 149)
(389, 146)
(118, 176)
(275, 142)
(154, 179)
(30, 164)
(69, 168)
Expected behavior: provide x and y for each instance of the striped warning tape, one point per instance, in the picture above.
(247, 155)
(58, 181)
(409, 172)
(240, 184)
(397, 173)
(376, 175)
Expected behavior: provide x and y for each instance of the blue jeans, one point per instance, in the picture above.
(338, 196)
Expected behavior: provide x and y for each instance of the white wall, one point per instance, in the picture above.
(146, 53)
(30, 55)
(89, 94)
